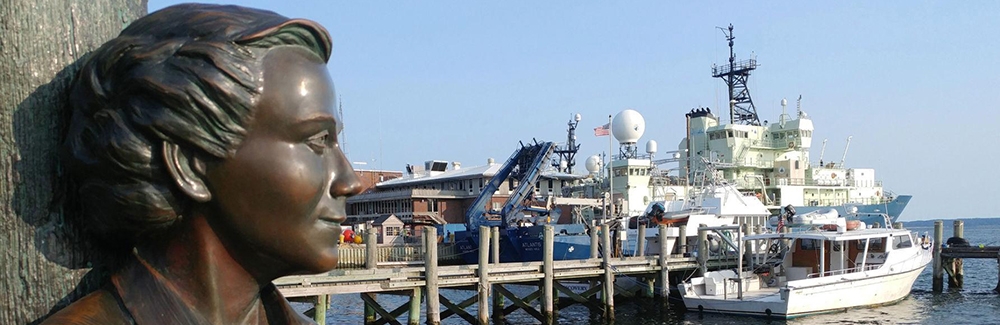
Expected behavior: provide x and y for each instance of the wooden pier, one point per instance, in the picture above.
(949, 258)
(488, 278)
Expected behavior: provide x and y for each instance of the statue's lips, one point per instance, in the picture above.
(333, 220)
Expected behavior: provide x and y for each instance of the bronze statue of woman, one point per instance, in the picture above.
(204, 144)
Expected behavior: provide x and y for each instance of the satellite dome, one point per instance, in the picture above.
(593, 164)
(651, 147)
(628, 126)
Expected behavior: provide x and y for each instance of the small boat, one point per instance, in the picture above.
(815, 270)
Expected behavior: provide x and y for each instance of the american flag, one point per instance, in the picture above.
(602, 130)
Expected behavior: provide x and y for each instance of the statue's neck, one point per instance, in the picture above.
(194, 263)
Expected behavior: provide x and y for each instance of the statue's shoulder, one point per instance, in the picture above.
(99, 307)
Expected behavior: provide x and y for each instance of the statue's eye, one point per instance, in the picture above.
(320, 141)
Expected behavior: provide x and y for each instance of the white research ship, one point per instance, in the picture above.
(772, 160)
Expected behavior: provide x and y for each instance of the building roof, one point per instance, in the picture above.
(381, 220)
(486, 171)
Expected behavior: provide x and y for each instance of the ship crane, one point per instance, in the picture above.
(523, 167)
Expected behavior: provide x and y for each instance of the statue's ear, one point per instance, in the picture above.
(187, 171)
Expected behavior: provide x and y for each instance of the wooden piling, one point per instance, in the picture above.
(937, 282)
(593, 242)
(957, 276)
(498, 301)
(997, 289)
(431, 276)
(664, 270)
(609, 276)
(371, 263)
(703, 250)
(549, 273)
(640, 246)
(495, 244)
(682, 240)
(322, 302)
(371, 250)
(414, 314)
(484, 275)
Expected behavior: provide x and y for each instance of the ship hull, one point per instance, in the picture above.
(524, 244)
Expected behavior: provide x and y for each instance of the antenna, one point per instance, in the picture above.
(567, 155)
(735, 74)
(821, 151)
(784, 116)
(798, 106)
(845, 151)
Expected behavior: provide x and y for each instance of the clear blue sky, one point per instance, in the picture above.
(914, 83)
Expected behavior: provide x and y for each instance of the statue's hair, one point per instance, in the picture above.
(188, 74)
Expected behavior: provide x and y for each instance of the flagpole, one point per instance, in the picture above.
(611, 176)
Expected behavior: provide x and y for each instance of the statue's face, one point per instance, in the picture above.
(281, 198)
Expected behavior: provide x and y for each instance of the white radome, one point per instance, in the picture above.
(651, 147)
(593, 164)
(628, 126)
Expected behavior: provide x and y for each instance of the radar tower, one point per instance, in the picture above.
(735, 74)
(567, 154)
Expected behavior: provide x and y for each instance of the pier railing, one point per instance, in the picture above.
(354, 256)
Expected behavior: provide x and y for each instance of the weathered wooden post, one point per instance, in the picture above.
(548, 312)
(371, 250)
(609, 276)
(640, 243)
(593, 241)
(957, 275)
(937, 281)
(703, 250)
(498, 300)
(484, 275)
(997, 289)
(682, 240)
(431, 276)
(371, 263)
(664, 269)
(495, 244)
(322, 302)
(414, 314)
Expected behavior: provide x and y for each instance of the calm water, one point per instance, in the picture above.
(976, 303)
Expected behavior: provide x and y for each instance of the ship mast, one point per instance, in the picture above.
(735, 74)
(567, 155)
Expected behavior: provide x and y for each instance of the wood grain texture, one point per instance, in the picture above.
(44, 261)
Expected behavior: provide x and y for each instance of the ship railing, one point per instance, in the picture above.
(827, 182)
(722, 69)
(845, 271)
(837, 202)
